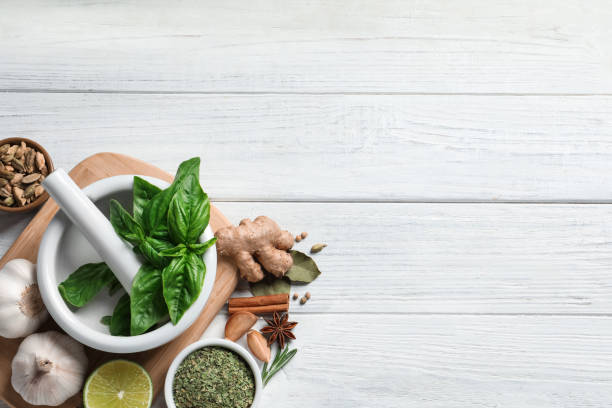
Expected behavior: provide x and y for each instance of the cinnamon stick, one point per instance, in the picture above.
(265, 300)
(281, 307)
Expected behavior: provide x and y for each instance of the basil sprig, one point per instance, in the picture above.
(182, 249)
(147, 306)
(164, 229)
(85, 283)
(143, 193)
(125, 226)
(155, 213)
(120, 320)
(183, 280)
(189, 212)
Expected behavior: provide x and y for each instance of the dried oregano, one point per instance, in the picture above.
(215, 377)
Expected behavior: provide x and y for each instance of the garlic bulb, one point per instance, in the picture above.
(48, 368)
(21, 307)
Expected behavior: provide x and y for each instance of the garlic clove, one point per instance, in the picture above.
(258, 345)
(48, 368)
(238, 324)
(21, 307)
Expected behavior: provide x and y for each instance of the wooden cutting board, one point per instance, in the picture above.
(155, 361)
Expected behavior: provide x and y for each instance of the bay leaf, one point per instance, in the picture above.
(304, 269)
(270, 286)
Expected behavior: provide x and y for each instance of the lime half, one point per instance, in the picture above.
(118, 384)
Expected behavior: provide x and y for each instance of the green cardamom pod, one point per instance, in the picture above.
(29, 192)
(7, 174)
(18, 164)
(317, 248)
(9, 201)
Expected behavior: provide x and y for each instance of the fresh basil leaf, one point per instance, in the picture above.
(197, 272)
(201, 248)
(155, 214)
(106, 320)
(162, 233)
(151, 249)
(182, 249)
(189, 212)
(143, 193)
(147, 305)
(182, 281)
(177, 251)
(304, 268)
(120, 321)
(125, 226)
(187, 168)
(270, 286)
(85, 283)
(114, 287)
(159, 244)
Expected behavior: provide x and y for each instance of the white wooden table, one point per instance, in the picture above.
(455, 155)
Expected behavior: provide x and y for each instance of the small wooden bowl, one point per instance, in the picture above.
(44, 197)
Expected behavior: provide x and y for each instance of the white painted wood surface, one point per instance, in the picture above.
(458, 46)
(456, 157)
(341, 147)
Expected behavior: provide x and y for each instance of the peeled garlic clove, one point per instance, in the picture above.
(48, 368)
(258, 345)
(238, 324)
(21, 308)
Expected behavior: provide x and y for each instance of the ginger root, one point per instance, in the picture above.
(260, 240)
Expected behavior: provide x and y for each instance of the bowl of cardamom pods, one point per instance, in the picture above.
(213, 372)
(24, 164)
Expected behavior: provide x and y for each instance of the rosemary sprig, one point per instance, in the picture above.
(280, 360)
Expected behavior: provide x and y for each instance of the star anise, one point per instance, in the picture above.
(279, 329)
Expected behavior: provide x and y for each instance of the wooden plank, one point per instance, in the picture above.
(341, 148)
(316, 46)
(451, 258)
(444, 361)
(156, 361)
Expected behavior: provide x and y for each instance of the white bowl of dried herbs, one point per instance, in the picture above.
(213, 372)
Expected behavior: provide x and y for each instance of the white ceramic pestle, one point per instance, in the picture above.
(96, 228)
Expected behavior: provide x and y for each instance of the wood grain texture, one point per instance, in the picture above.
(331, 116)
(156, 361)
(463, 46)
(443, 271)
(451, 258)
(451, 361)
(341, 148)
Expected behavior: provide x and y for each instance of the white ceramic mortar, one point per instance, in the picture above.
(64, 247)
